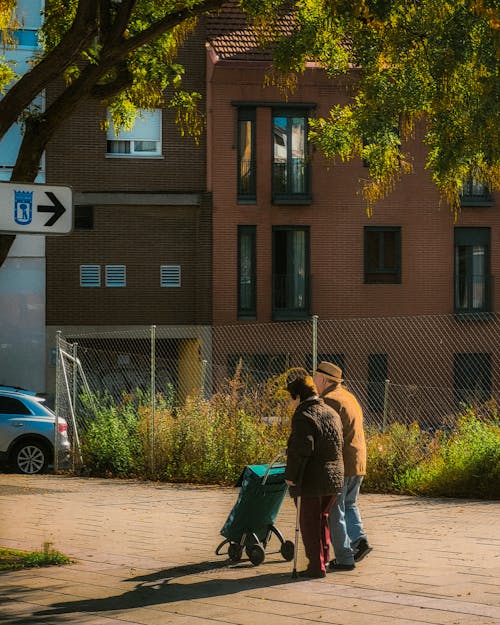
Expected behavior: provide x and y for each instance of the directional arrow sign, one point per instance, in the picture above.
(35, 208)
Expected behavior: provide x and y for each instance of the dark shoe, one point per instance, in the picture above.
(312, 574)
(362, 550)
(338, 566)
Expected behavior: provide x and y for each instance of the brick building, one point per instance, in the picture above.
(292, 239)
(255, 227)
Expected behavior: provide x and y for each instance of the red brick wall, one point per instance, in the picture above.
(336, 216)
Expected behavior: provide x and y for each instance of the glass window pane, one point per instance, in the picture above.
(246, 269)
(389, 250)
(145, 146)
(246, 158)
(118, 147)
(372, 250)
(280, 140)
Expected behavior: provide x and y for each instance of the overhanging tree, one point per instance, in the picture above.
(432, 64)
(429, 61)
(121, 52)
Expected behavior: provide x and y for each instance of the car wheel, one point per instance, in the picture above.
(30, 457)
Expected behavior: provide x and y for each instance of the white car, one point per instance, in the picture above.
(27, 432)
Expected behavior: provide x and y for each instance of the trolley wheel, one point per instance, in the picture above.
(287, 550)
(256, 554)
(234, 552)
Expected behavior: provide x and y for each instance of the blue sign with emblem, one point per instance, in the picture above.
(23, 207)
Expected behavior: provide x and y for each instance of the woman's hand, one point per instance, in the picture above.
(290, 483)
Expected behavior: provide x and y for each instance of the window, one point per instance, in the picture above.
(471, 377)
(29, 14)
(290, 165)
(382, 255)
(144, 139)
(116, 275)
(170, 275)
(290, 284)
(247, 181)
(475, 193)
(472, 266)
(377, 376)
(246, 271)
(90, 275)
(84, 217)
(11, 405)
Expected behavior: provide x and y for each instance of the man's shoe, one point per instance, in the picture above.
(312, 574)
(362, 550)
(338, 566)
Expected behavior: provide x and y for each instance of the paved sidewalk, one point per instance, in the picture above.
(145, 554)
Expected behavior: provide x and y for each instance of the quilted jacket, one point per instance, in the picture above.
(314, 451)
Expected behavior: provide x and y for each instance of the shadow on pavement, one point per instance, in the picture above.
(157, 588)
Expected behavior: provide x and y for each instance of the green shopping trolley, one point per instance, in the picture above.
(250, 524)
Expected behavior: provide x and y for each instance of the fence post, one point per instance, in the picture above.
(57, 408)
(386, 405)
(314, 342)
(203, 377)
(75, 376)
(153, 397)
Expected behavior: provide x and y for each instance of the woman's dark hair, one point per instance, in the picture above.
(300, 384)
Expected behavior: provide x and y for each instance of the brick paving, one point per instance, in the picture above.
(145, 554)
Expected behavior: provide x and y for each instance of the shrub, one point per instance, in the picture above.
(466, 464)
(110, 444)
(391, 453)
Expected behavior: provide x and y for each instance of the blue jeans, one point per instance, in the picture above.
(346, 527)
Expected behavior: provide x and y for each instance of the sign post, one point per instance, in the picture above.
(27, 208)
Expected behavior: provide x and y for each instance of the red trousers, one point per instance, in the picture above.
(315, 530)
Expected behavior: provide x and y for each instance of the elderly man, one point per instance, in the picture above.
(348, 536)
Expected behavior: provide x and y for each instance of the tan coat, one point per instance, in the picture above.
(351, 414)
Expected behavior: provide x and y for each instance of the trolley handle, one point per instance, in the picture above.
(274, 461)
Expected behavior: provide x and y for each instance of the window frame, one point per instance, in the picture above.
(247, 114)
(371, 273)
(479, 366)
(469, 198)
(289, 196)
(290, 312)
(127, 136)
(470, 237)
(251, 311)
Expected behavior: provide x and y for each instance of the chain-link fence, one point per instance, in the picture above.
(405, 370)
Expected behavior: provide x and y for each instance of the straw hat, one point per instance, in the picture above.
(330, 371)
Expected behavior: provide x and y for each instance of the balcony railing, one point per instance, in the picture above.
(291, 296)
(473, 293)
(290, 177)
(475, 194)
(246, 178)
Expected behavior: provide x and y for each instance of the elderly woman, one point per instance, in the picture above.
(314, 468)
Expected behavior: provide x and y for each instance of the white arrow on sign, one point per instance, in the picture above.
(24, 208)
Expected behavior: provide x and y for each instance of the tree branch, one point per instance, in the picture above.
(24, 91)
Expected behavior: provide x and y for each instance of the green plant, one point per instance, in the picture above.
(391, 453)
(465, 464)
(110, 444)
(17, 559)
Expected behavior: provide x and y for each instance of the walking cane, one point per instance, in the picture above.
(297, 518)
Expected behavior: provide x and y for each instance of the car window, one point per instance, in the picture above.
(11, 405)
